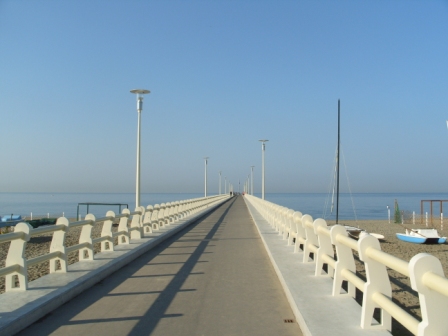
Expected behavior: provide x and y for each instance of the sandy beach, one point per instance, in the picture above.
(401, 287)
(402, 292)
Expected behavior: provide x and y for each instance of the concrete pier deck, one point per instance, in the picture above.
(213, 278)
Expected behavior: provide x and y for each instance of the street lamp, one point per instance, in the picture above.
(262, 166)
(225, 184)
(205, 193)
(252, 180)
(219, 182)
(139, 93)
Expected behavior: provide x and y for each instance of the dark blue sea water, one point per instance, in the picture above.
(355, 206)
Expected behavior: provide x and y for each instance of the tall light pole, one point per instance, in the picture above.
(225, 184)
(205, 193)
(252, 180)
(139, 93)
(262, 166)
(219, 182)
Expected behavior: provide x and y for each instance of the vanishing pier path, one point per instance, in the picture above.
(213, 278)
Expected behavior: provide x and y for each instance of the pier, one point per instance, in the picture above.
(225, 265)
(213, 278)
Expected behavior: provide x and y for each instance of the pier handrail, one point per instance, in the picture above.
(424, 270)
(141, 224)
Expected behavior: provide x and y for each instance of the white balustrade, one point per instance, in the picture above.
(143, 221)
(425, 271)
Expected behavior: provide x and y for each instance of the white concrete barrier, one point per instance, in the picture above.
(314, 237)
(143, 221)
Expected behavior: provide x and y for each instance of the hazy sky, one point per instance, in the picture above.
(222, 75)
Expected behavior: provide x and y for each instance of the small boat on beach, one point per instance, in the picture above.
(421, 236)
(10, 220)
(353, 231)
(356, 233)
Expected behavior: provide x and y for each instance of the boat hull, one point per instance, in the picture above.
(420, 240)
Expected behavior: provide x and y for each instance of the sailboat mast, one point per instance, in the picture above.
(337, 161)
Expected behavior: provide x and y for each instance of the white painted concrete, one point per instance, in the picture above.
(317, 311)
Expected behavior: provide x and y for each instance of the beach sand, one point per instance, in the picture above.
(402, 292)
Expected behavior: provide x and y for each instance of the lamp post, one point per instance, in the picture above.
(225, 184)
(252, 180)
(262, 166)
(219, 182)
(248, 184)
(205, 192)
(139, 93)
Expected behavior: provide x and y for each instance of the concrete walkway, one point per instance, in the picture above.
(213, 278)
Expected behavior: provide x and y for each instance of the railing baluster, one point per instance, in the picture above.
(86, 253)
(16, 257)
(59, 263)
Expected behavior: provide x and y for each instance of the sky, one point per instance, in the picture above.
(222, 75)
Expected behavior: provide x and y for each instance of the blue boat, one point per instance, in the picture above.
(10, 220)
(421, 236)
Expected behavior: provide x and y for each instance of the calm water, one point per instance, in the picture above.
(40, 204)
(360, 206)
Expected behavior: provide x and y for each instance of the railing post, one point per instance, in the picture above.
(86, 253)
(345, 261)
(285, 222)
(181, 210)
(155, 217)
(325, 247)
(123, 238)
(142, 210)
(162, 215)
(176, 211)
(136, 229)
(377, 282)
(290, 226)
(16, 256)
(147, 228)
(311, 238)
(278, 218)
(433, 305)
(293, 227)
(168, 211)
(108, 245)
(300, 236)
(58, 245)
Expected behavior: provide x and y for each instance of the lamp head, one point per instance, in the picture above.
(140, 93)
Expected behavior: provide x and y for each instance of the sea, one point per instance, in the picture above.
(358, 206)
